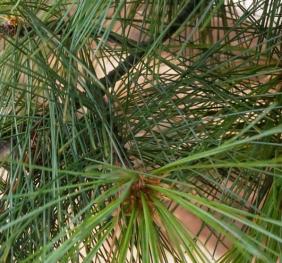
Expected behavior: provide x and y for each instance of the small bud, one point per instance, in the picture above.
(9, 27)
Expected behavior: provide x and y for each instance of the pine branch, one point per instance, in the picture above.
(133, 59)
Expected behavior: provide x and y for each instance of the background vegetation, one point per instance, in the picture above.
(116, 114)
